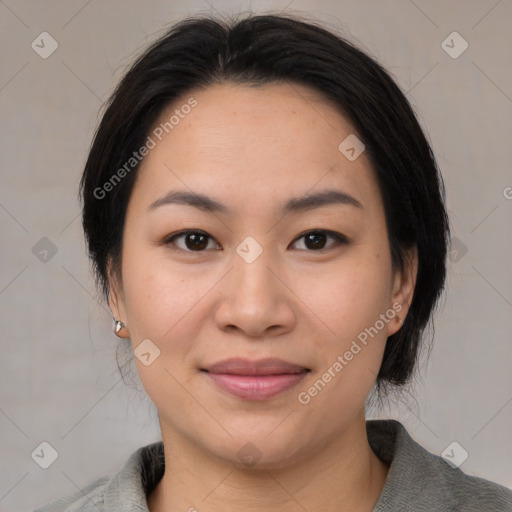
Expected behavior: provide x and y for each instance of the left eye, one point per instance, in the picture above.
(195, 241)
(316, 240)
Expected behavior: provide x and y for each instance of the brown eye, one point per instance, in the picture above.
(316, 240)
(194, 241)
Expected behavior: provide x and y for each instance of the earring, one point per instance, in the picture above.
(120, 329)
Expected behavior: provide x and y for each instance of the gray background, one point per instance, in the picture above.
(60, 381)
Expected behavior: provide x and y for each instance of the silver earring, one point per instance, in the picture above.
(119, 326)
(120, 329)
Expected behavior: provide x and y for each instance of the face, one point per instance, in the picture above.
(256, 261)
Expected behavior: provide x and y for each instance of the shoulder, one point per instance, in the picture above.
(125, 490)
(91, 498)
(419, 480)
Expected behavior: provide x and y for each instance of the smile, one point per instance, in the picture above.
(255, 380)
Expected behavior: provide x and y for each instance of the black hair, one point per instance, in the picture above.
(262, 49)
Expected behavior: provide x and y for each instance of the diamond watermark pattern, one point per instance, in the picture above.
(454, 45)
(146, 352)
(249, 249)
(44, 250)
(454, 454)
(44, 455)
(44, 45)
(249, 454)
(351, 147)
(457, 249)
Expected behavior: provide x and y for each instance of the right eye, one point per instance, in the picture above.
(192, 241)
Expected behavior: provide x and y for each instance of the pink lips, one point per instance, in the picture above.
(255, 380)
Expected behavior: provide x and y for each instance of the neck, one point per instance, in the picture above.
(343, 476)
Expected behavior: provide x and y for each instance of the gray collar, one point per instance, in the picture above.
(417, 480)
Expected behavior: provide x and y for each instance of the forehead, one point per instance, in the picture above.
(249, 141)
(277, 117)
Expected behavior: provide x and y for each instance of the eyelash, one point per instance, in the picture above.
(338, 237)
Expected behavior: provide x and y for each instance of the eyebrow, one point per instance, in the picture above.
(297, 204)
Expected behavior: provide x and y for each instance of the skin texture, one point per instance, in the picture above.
(252, 149)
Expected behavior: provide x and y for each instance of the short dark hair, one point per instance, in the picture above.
(262, 49)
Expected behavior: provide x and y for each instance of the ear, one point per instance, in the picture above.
(404, 283)
(115, 294)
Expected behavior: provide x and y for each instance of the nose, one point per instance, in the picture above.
(255, 299)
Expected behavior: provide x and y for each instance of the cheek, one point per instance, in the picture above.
(163, 307)
(350, 304)
(159, 305)
(351, 297)
(159, 299)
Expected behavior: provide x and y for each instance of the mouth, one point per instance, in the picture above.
(255, 379)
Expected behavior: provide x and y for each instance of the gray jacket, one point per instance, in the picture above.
(418, 481)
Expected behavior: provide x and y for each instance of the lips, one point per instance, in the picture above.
(255, 379)
(268, 366)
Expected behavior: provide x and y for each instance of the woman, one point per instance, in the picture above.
(267, 222)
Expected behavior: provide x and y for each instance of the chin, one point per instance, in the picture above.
(255, 449)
